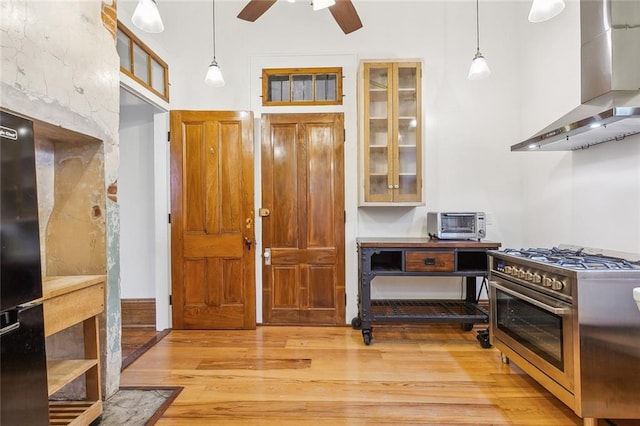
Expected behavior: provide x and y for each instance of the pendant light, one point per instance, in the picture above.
(543, 10)
(322, 4)
(214, 73)
(147, 17)
(479, 67)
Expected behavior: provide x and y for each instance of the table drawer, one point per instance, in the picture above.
(429, 261)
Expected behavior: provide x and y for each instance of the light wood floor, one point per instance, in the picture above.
(421, 375)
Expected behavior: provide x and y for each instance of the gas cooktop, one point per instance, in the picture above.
(574, 258)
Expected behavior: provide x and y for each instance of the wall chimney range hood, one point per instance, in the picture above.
(610, 81)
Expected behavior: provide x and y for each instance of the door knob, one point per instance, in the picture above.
(247, 243)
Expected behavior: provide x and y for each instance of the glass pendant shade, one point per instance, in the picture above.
(543, 10)
(322, 4)
(147, 17)
(479, 68)
(214, 75)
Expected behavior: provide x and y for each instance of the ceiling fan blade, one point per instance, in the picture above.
(254, 9)
(346, 16)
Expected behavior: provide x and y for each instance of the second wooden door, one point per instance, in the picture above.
(303, 234)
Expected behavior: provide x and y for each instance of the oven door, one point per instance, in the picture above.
(537, 327)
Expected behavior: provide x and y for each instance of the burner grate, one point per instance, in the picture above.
(574, 259)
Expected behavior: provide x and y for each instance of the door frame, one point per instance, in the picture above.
(349, 63)
(161, 207)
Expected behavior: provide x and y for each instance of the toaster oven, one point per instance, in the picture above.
(456, 225)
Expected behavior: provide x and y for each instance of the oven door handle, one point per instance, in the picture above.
(539, 304)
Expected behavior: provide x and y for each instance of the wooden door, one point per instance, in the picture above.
(212, 233)
(303, 187)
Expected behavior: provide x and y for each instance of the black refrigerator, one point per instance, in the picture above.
(23, 366)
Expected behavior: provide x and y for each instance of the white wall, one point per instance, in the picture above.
(468, 126)
(589, 197)
(136, 199)
(534, 199)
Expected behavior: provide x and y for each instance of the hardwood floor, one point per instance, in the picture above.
(427, 375)
(136, 341)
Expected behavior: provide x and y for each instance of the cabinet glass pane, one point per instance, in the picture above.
(378, 79)
(378, 132)
(378, 185)
(378, 105)
(407, 103)
(122, 46)
(326, 87)
(157, 76)
(140, 61)
(378, 157)
(408, 184)
(407, 132)
(378, 92)
(302, 87)
(407, 78)
(407, 160)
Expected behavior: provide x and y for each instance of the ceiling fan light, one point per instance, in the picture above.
(543, 10)
(214, 76)
(147, 17)
(322, 4)
(479, 68)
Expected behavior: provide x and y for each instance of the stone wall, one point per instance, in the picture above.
(63, 69)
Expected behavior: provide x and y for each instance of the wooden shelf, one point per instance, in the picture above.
(62, 372)
(68, 301)
(74, 413)
(55, 286)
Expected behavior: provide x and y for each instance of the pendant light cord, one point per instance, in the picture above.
(213, 20)
(477, 26)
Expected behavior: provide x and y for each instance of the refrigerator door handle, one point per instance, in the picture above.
(9, 328)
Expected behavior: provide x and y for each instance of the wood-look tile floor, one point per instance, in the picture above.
(420, 375)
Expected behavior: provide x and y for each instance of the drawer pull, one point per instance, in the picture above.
(430, 261)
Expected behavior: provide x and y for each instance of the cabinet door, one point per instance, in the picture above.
(392, 133)
(378, 127)
(407, 160)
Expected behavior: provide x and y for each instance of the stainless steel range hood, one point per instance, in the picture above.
(610, 81)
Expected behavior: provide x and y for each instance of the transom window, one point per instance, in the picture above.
(141, 63)
(301, 86)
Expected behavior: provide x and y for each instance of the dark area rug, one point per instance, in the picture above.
(137, 406)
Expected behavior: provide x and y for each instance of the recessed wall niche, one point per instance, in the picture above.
(72, 201)
(72, 220)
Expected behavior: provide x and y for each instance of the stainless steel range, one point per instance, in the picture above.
(567, 317)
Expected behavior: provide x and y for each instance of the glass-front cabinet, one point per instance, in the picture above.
(391, 128)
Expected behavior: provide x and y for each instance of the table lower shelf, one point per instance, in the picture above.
(435, 311)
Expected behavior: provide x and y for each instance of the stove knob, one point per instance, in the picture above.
(507, 270)
(521, 273)
(547, 282)
(537, 278)
(557, 285)
(529, 276)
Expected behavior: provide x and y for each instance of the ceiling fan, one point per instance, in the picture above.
(343, 12)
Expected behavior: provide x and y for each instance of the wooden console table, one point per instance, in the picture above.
(420, 257)
(67, 301)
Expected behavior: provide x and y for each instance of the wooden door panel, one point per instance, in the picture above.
(320, 295)
(213, 245)
(285, 294)
(284, 168)
(280, 256)
(213, 271)
(303, 186)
